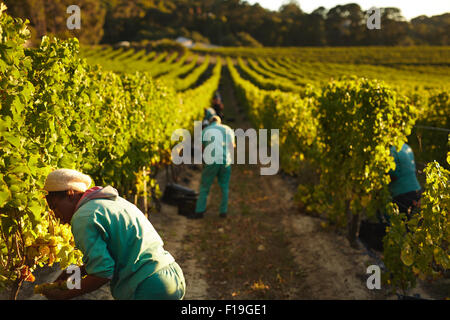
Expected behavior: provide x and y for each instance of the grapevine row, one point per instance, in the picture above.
(59, 112)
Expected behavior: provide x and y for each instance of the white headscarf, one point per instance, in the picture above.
(67, 179)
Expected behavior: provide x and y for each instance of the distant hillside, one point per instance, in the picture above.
(228, 23)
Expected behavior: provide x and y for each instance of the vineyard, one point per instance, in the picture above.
(111, 113)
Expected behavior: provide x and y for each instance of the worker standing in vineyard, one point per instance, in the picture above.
(404, 187)
(119, 244)
(209, 113)
(220, 168)
(217, 105)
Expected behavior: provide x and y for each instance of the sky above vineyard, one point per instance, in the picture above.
(410, 9)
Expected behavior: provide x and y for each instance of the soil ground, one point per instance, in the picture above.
(265, 249)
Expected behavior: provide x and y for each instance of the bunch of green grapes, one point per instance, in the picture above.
(50, 242)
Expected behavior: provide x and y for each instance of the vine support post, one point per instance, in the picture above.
(144, 173)
(15, 288)
(353, 221)
(167, 175)
(174, 174)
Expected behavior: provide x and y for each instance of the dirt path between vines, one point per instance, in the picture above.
(266, 249)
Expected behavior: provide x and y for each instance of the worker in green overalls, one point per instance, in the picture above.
(209, 113)
(404, 187)
(119, 244)
(219, 139)
(405, 191)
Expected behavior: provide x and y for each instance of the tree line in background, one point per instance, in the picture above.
(228, 23)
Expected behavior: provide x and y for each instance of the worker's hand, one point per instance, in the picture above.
(60, 291)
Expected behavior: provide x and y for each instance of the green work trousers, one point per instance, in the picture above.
(165, 284)
(209, 173)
